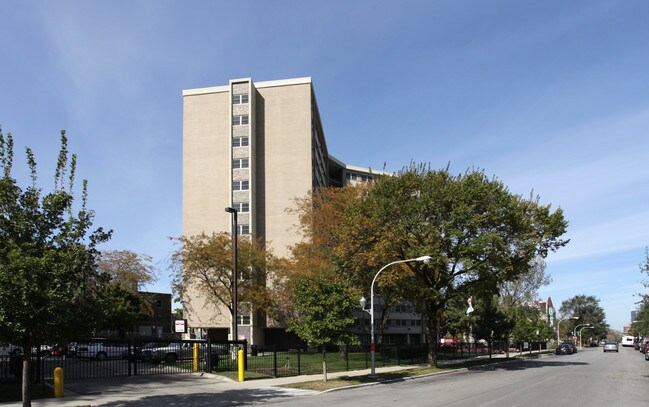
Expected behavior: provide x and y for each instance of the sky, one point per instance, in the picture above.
(550, 97)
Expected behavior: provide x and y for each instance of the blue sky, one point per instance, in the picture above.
(547, 96)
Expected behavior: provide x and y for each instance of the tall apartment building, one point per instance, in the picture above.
(254, 147)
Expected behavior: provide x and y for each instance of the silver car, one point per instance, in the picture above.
(611, 346)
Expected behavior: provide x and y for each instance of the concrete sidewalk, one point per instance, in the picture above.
(195, 389)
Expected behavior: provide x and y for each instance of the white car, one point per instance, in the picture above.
(102, 350)
(7, 350)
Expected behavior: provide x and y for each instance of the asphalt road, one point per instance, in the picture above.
(589, 378)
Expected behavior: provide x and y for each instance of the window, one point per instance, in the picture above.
(244, 316)
(240, 163)
(240, 142)
(239, 99)
(240, 185)
(239, 120)
(241, 206)
(243, 229)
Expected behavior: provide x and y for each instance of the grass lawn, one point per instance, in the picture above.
(13, 392)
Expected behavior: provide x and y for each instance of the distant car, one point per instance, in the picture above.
(572, 345)
(602, 342)
(565, 349)
(594, 344)
(611, 346)
(627, 340)
(102, 350)
(7, 350)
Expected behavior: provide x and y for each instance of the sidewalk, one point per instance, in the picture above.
(194, 389)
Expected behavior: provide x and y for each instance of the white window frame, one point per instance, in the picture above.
(240, 99)
(240, 119)
(241, 185)
(241, 207)
(238, 163)
(240, 141)
(243, 229)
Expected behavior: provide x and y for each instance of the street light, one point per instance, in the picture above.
(582, 330)
(574, 331)
(234, 271)
(559, 331)
(363, 302)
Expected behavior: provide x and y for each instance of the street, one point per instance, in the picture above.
(589, 377)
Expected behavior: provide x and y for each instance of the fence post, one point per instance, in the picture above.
(245, 354)
(208, 361)
(275, 360)
(347, 357)
(299, 367)
(131, 355)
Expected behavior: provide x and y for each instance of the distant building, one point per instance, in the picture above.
(548, 313)
(403, 326)
(255, 147)
(160, 322)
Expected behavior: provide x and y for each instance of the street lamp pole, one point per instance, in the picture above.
(233, 211)
(582, 330)
(558, 326)
(363, 301)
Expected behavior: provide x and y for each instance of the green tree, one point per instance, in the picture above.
(588, 311)
(528, 325)
(203, 265)
(123, 304)
(324, 314)
(49, 281)
(477, 232)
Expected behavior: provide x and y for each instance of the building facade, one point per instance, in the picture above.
(255, 147)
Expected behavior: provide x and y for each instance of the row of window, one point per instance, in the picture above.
(241, 207)
(395, 322)
(240, 163)
(240, 119)
(403, 308)
(358, 177)
(239, 99)
(240, 142)
(240, 185)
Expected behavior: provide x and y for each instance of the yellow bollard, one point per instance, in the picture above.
(58, 382)
(241, 371)
(195, 357)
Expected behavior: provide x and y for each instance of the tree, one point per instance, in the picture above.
(324, 309)
(528, 325)
(49, 280)
(644, 268)
(127, 268)
(123, 304)
(588, 311)
(477, 232)
(203, 265)
(524, 289)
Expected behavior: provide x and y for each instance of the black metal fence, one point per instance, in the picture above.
(108, 358)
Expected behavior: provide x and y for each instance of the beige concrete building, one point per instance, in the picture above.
(254, 147)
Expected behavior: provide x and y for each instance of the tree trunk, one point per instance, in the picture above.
(26, 380)
(324, 365)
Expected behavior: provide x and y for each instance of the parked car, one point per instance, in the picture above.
(102, 350)
(646, 354)
(611, 346)
(565, 349)
(594, 344)
(8, 350)
(643, 345)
